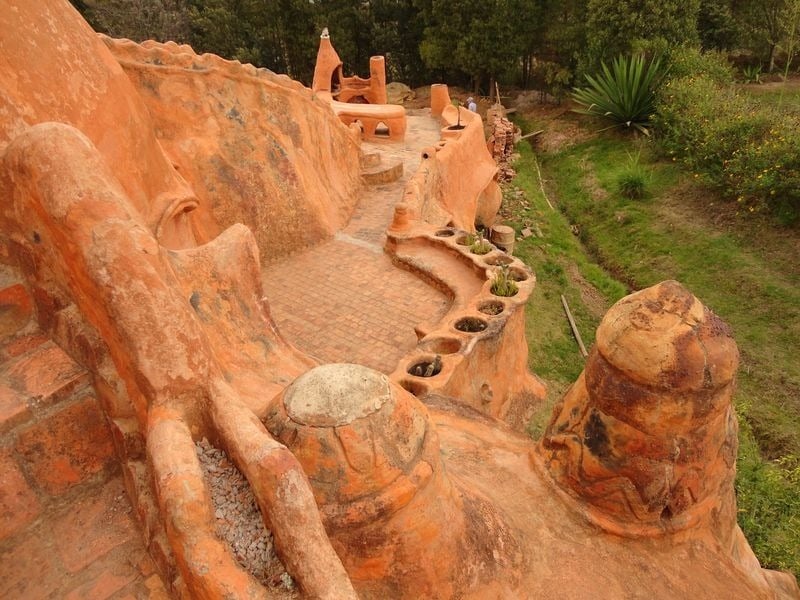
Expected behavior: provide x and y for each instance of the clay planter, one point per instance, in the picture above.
(470, 325)
(491, 307)
(415, 388)
(498, 260)
(427, 367)
(441, 345)
(515, 274)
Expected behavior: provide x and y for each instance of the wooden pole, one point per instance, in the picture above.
(541, 183)
(574, 327)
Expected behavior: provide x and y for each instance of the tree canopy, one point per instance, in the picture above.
(546, 43)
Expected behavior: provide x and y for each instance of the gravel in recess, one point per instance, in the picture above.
(238, 520)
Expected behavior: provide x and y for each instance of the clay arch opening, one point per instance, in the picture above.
(382, 130)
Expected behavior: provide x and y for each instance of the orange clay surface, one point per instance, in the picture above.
(183, 238)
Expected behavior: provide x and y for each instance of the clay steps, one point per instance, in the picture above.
(383, 172)
(369, 160)
(66, 525)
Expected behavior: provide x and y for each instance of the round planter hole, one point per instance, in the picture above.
(517, 275)
(456, 127)
(430, 366)
(445, 233)
(465, 240)
(441, 345)
(492, 307)
(481, 249)
(470, 324)
(416, 388)
(498, 260)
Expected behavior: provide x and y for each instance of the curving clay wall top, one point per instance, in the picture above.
(256, 147)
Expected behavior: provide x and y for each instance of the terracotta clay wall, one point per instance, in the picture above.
(256, 147)
(455, 184)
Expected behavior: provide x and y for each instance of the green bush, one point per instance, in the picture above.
(687, 61)
(702, 124)
(751, 74)
(624, 93)
(765, 172)
(750, 152)
(631, 185)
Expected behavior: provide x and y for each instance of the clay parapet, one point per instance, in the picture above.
(456, 181)
(294, 188)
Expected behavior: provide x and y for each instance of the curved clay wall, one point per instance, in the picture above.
(455, 184)
(257, 148)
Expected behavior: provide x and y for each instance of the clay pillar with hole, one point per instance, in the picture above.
(377, 80)
(440, 98)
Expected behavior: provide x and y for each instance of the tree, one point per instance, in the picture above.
(771, 25)
(277, 34)
(484, 40)
(350, 26)
(716, 25)
(138, 20)
(614, 26)
(396, 32)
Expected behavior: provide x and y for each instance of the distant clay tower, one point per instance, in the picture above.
(329, 77)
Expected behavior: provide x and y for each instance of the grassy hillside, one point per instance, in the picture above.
(597, 245)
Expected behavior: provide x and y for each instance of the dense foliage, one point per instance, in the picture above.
(541, 43)
(613, 27)
(749, 150)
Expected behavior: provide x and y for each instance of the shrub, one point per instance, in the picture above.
(612, 26)
(765, 172)
(553, 77)
(751, 73)
(750, 152)
(503, 284)
(687, 61)
(623, 93)
(632, 181)
(703, 124)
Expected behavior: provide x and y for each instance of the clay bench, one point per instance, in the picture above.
(371, 115)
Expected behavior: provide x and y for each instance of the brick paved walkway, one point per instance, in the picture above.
(344, 301)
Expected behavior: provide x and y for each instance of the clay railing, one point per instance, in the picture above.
(193, 370)
(477, 352)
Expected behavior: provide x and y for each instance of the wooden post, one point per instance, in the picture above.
(574, 327)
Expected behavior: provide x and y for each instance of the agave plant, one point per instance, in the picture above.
(624, 93)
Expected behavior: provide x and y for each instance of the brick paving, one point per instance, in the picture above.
(89, 548)
(344, 300)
